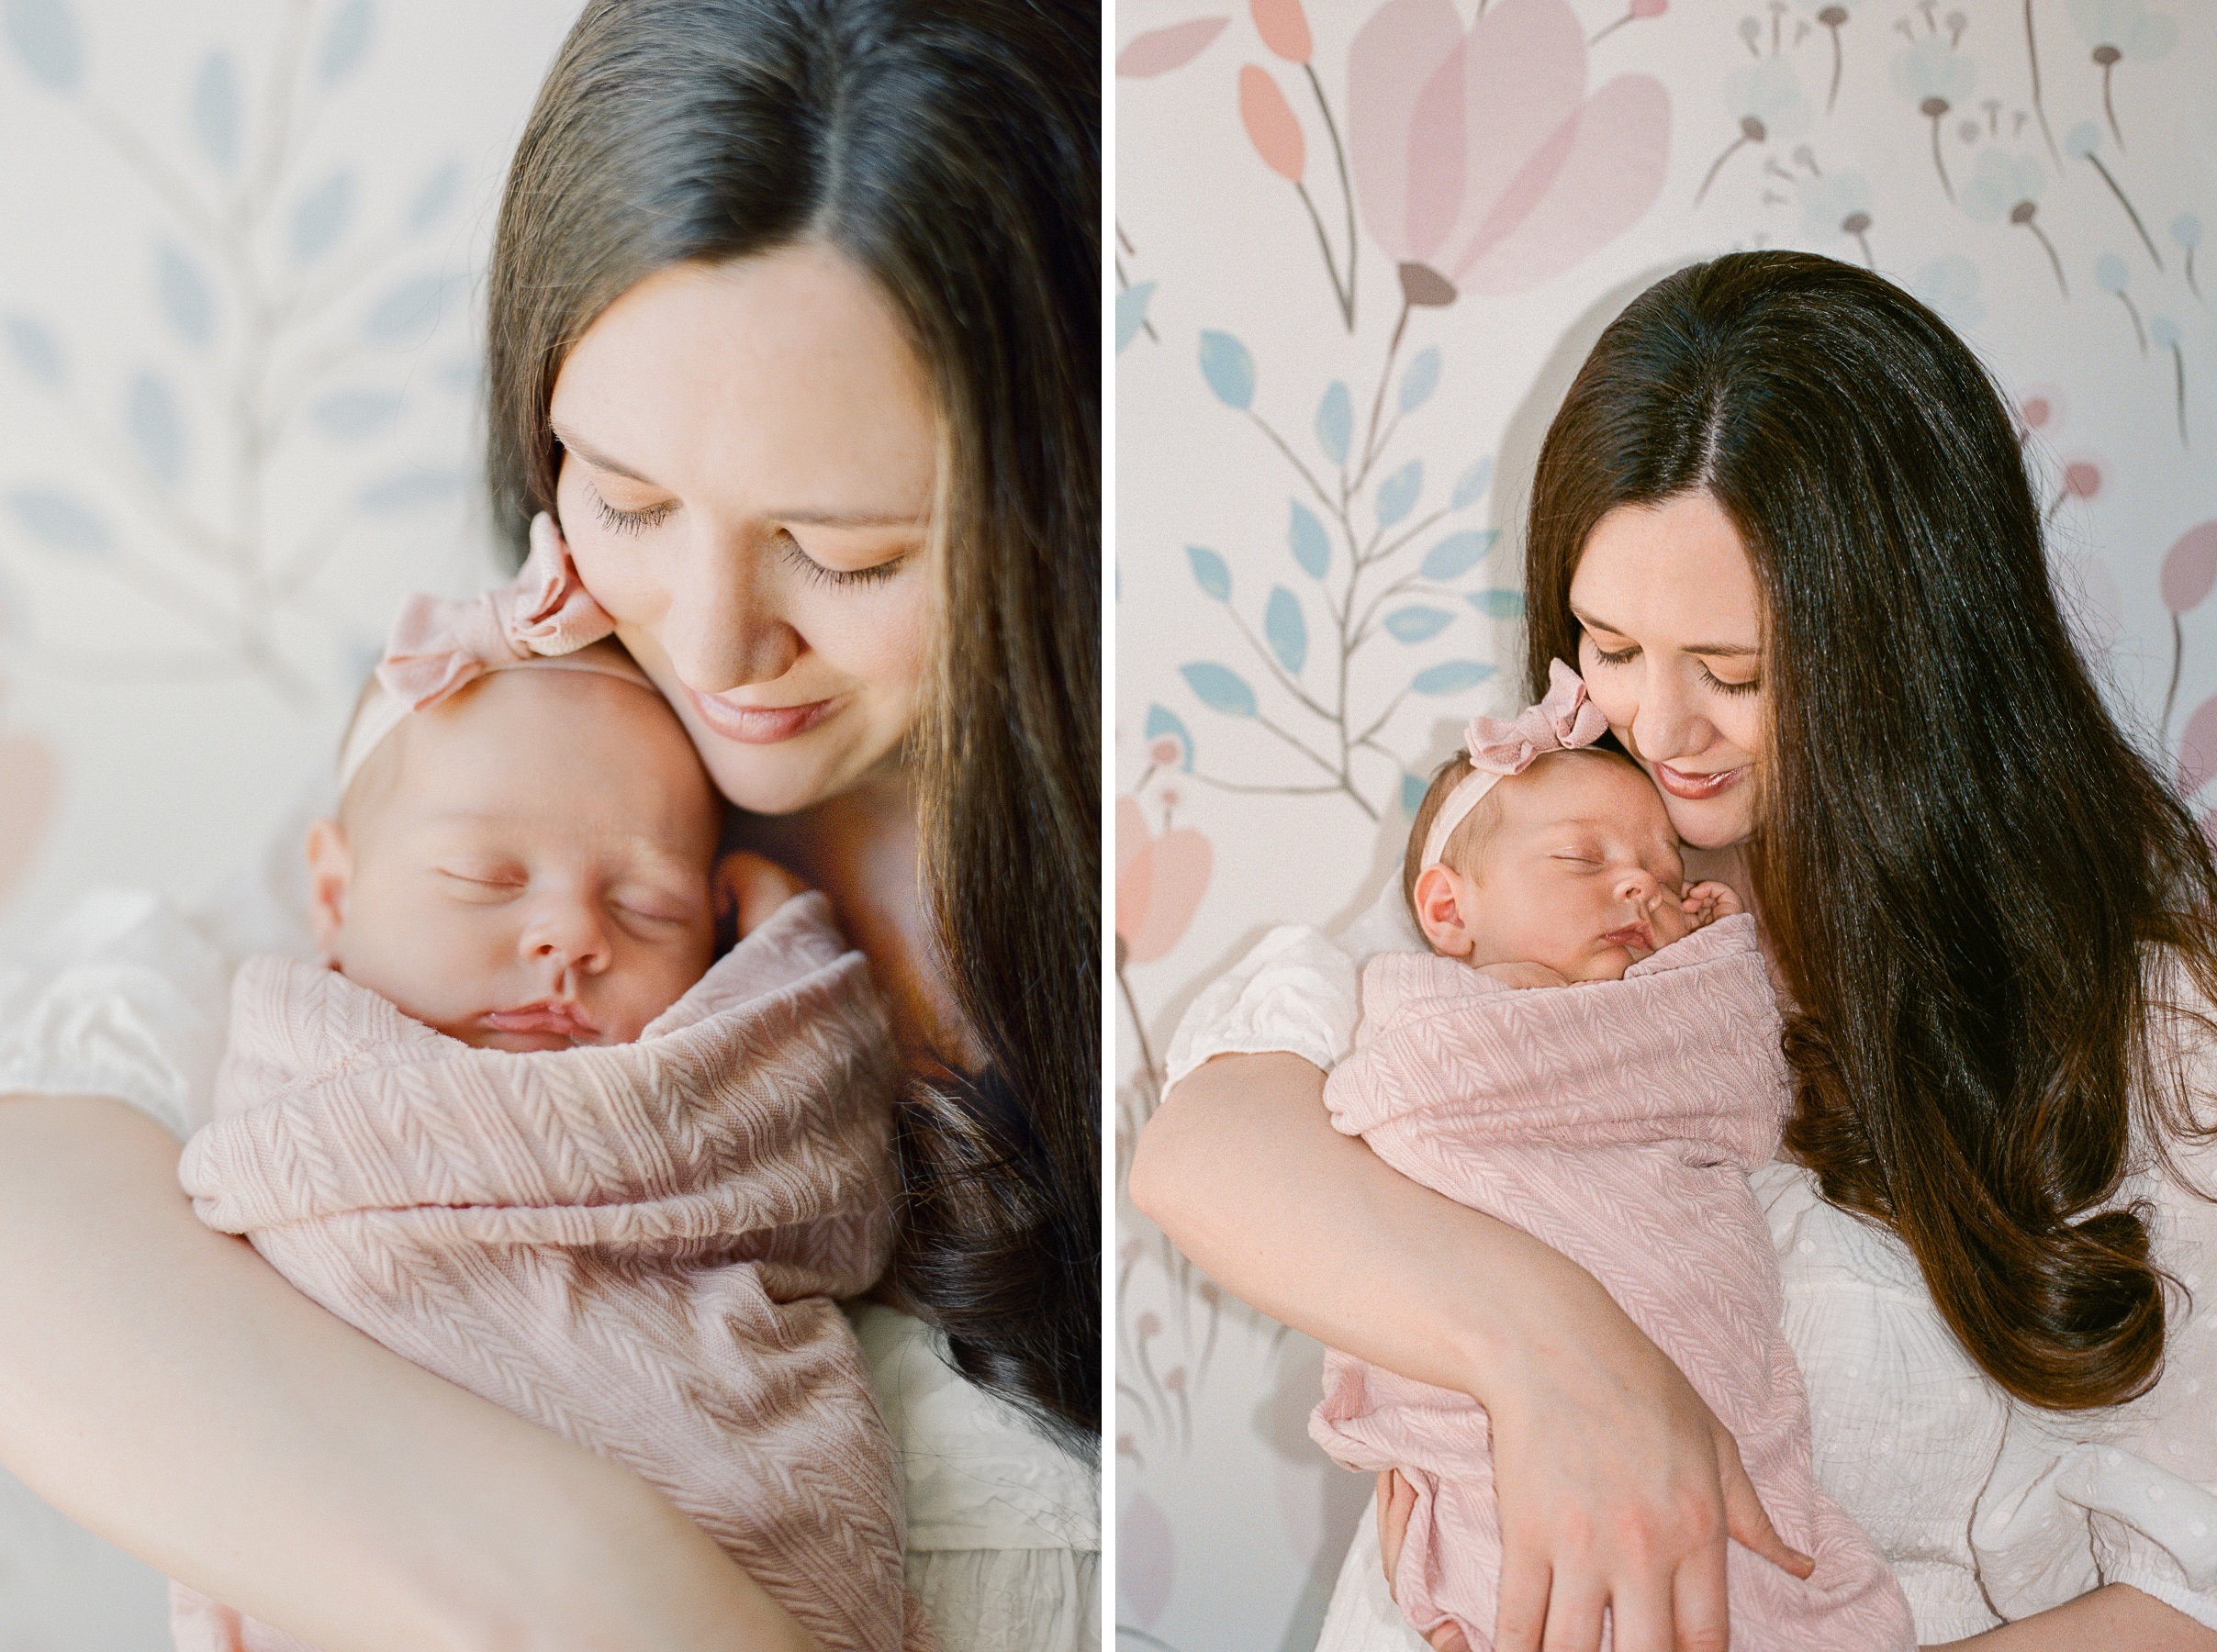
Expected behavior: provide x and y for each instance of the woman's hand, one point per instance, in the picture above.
(165, 1387)
(1618, 1485)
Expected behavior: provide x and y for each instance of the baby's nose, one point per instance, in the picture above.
(568, 935)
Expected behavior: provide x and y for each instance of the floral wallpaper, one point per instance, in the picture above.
(238, 368)
(1360, 248)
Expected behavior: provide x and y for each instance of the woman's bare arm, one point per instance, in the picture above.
(2116, 1616)
(162, 1385)
(1618, 1485)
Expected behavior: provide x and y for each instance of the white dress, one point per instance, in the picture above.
(127, 998)
(1987, 1509)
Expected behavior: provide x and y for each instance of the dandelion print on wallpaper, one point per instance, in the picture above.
(1360, 250)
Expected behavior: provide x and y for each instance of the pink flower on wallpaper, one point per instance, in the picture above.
(1159, 882)
(31, 787)
(1478, 156)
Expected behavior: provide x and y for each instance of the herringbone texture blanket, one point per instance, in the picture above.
(1617, 1122)
(636, 1245)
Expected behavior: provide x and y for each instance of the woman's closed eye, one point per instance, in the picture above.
(816, 573)
(630, 521)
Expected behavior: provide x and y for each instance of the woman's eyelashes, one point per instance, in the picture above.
(630, 521)
(1709, 679)
(815, 572)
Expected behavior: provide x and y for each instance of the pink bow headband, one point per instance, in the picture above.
(1563, 721)
(543, 617)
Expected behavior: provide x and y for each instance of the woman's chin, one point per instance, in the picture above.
(1711, 824)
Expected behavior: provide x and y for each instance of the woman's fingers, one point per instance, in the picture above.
(1448, 1638)
(1745, 1517)
(1700, 1615)
(1520, 1615)
(1573, 1620)
(1396, 1502)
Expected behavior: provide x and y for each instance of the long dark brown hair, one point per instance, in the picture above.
(1977, 887)
(952, 149)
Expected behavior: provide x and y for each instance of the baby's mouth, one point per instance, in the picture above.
(549, 1018)
(1638, 937)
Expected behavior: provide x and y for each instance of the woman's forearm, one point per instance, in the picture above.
(2101, 1621)
(162, 1385)
(1242, 1168)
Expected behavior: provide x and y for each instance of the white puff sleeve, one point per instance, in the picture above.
(125, 998)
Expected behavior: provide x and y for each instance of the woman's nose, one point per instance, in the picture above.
(721, 627)
(1667, 725)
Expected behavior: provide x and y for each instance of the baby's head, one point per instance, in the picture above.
(527, 864)
(1572, 863)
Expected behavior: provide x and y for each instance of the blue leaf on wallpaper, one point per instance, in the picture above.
(1419, 380)
(1210, 573)
(187, 303)
(1131, 312)
(408, 314)
(350, 415)
(1399, 491)
(1450, 677)
(1458, 553)
(1219, 687)
(1229, 369)
(345, 43)
(156, 425)
(214, 110)
(60, 521)
(1160, 721)
(434, 198)
(1417, 624)
(1304, 535)
(1413, 787)
(1497, 604)
(411, 489)
(320, 218)
(44, 34)
(1285, 630)
(1336, 422)
(1473, 482)
(36, 349)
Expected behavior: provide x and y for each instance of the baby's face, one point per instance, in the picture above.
(1581, 871)
(529, 867)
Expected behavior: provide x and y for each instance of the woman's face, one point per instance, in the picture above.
(1670, 645)
(748, 462)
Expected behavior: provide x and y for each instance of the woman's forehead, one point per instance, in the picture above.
(785, 376)
(1677, 572)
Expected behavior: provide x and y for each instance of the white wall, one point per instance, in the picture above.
(1231, 1523)
(241, 255)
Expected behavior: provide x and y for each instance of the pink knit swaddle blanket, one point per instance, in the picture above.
(1617, 1122)
(634, 1245)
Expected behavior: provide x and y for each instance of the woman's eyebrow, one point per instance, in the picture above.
(1722, 651)
(596, 459)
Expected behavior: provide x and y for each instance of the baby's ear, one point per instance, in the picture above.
(331, 869)
(1442, 894)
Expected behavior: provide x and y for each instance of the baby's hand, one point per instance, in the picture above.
(1706, 902)
(1523, 974)
(748, 889)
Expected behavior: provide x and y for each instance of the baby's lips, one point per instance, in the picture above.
(550, 1016)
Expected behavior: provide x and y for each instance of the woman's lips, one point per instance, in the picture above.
(1694, 788)
(759, 725)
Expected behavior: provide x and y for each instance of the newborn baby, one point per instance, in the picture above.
(522, 1129)
(1590, 1052)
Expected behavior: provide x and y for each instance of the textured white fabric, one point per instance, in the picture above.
(1987, 1509)
(127, 997)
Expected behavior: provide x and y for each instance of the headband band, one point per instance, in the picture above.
(545, 618)
(1563, 721)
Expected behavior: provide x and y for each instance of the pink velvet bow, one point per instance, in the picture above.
(436, 646)
(1562, 720)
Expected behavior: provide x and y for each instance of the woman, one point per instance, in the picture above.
(1783, 525)
(794, 324)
